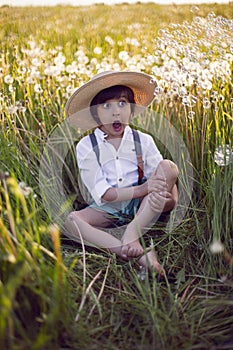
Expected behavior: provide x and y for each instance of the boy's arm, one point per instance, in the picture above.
(126, 193)
(163, 180)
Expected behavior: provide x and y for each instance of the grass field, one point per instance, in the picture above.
(56, 294)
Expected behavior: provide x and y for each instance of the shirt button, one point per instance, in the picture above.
(120, 179)
(117, 157)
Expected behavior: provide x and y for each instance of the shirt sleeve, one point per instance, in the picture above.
(90, 171)
(151, 155)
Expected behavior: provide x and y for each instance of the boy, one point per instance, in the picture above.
(110, 169)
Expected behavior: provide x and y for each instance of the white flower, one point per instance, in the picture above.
(216, 247)
(109, 40)
(38, 88)
(25, 190)
(191, 114)
(12, 109)
(36, 62)
(30, 80)
(123, 55)
(97, 50)
(206, 103)
(8, 79)
(53, 70)
(83, 59)
(35, 74)
(72, 68)
(223, 155)
(60, 59)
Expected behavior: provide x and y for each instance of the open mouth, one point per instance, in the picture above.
(117, 125)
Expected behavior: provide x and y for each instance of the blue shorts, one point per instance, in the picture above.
(120, 217)
(127, 211)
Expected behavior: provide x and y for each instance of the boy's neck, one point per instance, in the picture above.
(115, 141)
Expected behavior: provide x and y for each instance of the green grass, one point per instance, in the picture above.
(56, 294)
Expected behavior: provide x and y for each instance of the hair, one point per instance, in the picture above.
(112, 92)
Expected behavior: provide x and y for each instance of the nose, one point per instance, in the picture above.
(115, 109)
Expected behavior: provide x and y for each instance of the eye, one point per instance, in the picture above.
(122, 103)
(106, 105)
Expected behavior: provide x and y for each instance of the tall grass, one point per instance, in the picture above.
(56, 294)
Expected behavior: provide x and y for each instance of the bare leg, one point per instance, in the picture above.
(169, 171)
(131, 246)
(82, 223)
(150, 261)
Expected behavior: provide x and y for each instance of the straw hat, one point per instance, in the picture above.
(78, 106)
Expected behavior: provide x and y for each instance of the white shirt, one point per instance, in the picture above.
(118, 167)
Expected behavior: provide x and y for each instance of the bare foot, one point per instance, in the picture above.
(149, 260)
(131, 249)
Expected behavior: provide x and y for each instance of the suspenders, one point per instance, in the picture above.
(138, 149)
(95, 146)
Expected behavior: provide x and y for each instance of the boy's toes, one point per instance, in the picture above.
(134, 252)
(124, 252)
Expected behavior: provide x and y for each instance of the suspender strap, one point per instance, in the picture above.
(138, 149)
(95, 146)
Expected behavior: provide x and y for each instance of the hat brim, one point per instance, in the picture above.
(142, 85)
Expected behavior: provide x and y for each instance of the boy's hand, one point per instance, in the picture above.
(158, 194)
(156, 184)
(158, 200)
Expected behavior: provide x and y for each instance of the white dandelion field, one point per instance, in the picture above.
(58, 294)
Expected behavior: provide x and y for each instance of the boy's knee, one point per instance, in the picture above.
(71, 216)
(167, 166)
(71, 219)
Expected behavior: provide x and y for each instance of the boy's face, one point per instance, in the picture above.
(114, 115)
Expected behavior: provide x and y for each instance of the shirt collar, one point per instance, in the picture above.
(102, 135)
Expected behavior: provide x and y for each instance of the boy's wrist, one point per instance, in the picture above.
(142, 190)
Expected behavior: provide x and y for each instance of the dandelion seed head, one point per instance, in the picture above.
(38, 89)
(60, 59)
(72, 68)
(142, 273)
(98, 50)
(191, 114)
(53, 71)
(182, 91)
(109, 40)
(8, 79)
(223, 155)
(36, 62)
(83, 59)
(132, 41)
(216, 247)
(24, 189)
(194, 9)
(206, 103)
(123, 55)
(12, 109)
